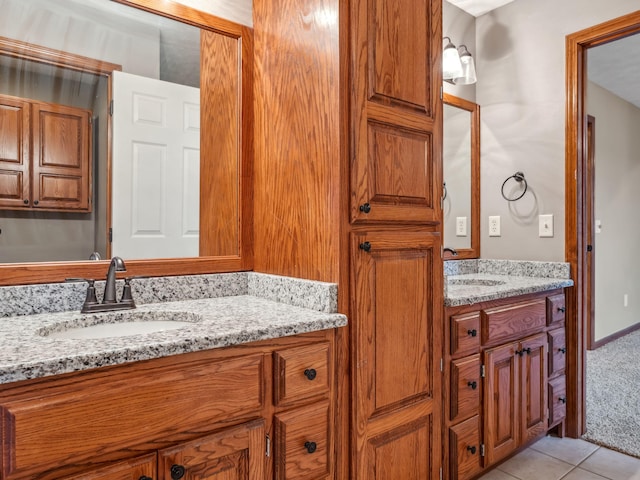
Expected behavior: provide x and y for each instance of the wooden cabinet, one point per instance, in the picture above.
(514, 347)
(207, 414)
(45, 156)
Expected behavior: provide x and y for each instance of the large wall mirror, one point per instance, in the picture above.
(461, 175)
(125, 131)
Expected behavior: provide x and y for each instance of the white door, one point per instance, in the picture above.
(155, 188)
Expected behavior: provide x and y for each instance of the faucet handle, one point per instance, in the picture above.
(127, 297)
(91, 298)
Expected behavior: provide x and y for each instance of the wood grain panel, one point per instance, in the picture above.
(533, 387)
(556, 309)
(220, 152)
(464, 447)
(293, 379)
(297, 150)
(557, 351)
(14, 151)
(557, 400)
(94, 418)
(465, 333)
(134, 469)
(466, 388)
(513, 321)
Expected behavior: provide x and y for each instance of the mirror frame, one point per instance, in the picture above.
(50, 272)
(474, 109)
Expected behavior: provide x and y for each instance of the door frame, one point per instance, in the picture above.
(576, 137)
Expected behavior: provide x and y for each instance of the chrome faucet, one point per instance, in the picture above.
(116, 265)
(450, 250)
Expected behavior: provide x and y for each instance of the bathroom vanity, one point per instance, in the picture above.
(504, 364)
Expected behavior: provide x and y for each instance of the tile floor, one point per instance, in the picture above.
(553, 458)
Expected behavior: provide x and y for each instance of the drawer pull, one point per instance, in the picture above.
(365, 208)
(472, 449)
(310, 446)
(366, 246)
(473, 385)
(562, 309)
(310, 373)
(562, 399)
(177, 472)
(144, 477)
(472, 333)
(562, 350)
(523, 351)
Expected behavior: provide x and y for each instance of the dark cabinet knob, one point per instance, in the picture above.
(562, 350)
(310, 446)
(365, 208)
(177, 472)
(472, 449)
(36, 202)
(527, 351)
(562, 399)
(310, 373)
(144, 477)
(520, 352)
(472, 333)
(366, 246)
(562, 309)
(25, 201)
(473, 385)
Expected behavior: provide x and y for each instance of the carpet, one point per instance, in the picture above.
(613, 395)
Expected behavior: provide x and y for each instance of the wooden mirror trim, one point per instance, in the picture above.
(474, 109)
(45, 272)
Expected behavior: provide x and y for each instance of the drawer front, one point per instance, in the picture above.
(556, 309)
(464, 447)
(557, 351)
(513, 321)
(134, 469)
(302, 443)
(466, 387)
(301, 372)
(65, 426)
(557, 400)
(465, 333)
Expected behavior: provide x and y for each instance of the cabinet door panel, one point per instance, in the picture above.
(465, 333)
(133, 469)
(464, 448)
(14, 152)
(533, 386)
(501, 400)
(557, 351)
(556, 309)
(557, 400)
(232, 454)
(466, 387)
(301, 372)
(513, 321)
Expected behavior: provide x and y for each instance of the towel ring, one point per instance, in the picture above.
(444, 187)
(518, 177)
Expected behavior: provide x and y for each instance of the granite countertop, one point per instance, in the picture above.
(28, 353)
(474, 281)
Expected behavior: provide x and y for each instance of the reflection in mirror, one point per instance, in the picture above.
(461, 174)
(74, 179)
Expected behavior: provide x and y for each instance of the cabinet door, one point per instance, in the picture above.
(501, 401)
(140, 468)
(396, 327)
(396, 56)
(557, 351)
(464, 448)
(61, 167)
(533, 382)
(466, 391)
(14, 152)
(235, 453)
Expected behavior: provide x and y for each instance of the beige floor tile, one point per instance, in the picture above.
(497, 475)
(570, 450)
(532, 465)
(580, 474)
(613, 465)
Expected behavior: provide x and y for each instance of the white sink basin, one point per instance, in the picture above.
(120, 324)
(475, 282)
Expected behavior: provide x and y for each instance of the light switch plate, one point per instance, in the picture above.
(545, 227)
(494, 226)
(461, 226)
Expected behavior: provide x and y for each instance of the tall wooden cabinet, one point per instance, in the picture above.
(45, 156)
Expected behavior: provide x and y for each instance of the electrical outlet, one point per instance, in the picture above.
(461, 226)
(494, 226)
(545, 226)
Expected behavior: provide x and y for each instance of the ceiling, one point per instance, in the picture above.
(478, 7)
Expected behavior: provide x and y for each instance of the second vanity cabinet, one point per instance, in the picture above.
(256, 411)
(505, 374)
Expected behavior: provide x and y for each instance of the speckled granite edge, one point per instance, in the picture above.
(520, 268)
(63, 297)
(314, 295)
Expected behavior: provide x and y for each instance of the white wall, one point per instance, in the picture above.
(617, 166)
(520, 59)
(239, 11)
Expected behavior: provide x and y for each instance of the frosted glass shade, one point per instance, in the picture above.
(468, 75)
(451, 66)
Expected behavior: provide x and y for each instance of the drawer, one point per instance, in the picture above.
(465, 333)
(133, 469)
(301, 372)
(99, 415)
(464, 446)
(557, 351)
(302, 443)
(556, 309)
(513, 321)
(466, 387)
(557, 400)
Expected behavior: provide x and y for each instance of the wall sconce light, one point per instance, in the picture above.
(458, 66)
